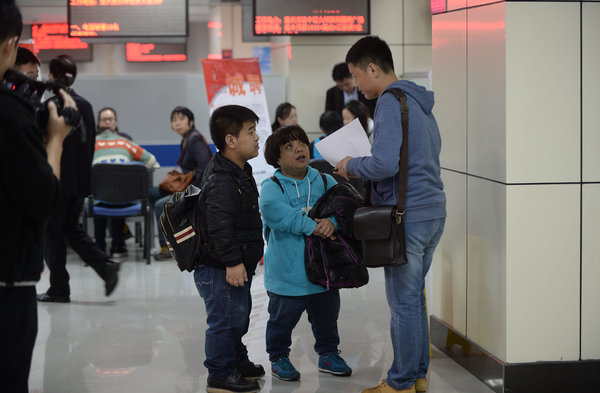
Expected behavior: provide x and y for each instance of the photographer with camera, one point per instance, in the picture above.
(27, 63)
(75, 185)
(29, 191)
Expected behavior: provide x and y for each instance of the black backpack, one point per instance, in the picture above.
(182, 224)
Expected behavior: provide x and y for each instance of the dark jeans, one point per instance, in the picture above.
(63, 227)
(116, 229)
(228, 317)
(159, 197)
(17, 336)
(285, 312)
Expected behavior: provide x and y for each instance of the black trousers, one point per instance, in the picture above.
(116, 230)
(63, 228)
(17, 336)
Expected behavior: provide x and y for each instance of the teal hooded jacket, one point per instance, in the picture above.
(285, 213)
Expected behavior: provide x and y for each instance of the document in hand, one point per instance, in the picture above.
(350, 140)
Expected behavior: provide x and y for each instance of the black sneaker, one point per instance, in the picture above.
(232, 384)
(251, 371)
(111, 276)
(44, 297)
(119, 253)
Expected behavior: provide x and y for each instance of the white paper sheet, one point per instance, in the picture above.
(350, 140)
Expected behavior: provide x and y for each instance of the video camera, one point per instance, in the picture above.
(33, 91)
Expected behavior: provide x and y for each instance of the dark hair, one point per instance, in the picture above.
(229, 119)
(330, 121)
(11, 21)
(280, 137)
(361, 111)
(282, 111)
(25, 56)
(182, 110)
(371, 49)
(63, 69)
(340, 72)
(106, 108)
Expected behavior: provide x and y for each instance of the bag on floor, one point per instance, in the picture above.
(181, 223)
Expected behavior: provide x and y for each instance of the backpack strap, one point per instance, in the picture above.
(324, 180)
(276, 180)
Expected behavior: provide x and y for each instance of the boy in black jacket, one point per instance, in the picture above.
(229, 202)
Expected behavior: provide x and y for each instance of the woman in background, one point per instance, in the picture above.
(356, 109)
(285, 115)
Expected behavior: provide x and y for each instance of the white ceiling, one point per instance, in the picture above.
(55, 11)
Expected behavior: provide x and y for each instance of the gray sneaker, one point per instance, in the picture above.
(163, 255)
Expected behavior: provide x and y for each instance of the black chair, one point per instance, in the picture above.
(126, 187)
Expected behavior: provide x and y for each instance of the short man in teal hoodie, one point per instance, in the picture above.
(372, 68)
(284, 204)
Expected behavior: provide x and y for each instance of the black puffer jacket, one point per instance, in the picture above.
(230, 199)
(336, 263)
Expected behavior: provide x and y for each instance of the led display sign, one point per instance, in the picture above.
(127, 18)
(155, 52)
(51, 40)
(311, 17)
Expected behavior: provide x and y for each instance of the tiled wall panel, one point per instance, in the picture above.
(590, 288)
(486, 268)
(449, 300)
(542, 273)
(591, 91)
(486, 92)
(542, 91)
(450, 86)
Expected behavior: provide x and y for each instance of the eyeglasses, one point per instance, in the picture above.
(107, 119)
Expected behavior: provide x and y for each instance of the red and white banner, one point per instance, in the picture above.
(239, 82)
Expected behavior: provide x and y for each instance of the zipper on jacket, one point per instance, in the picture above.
(347, 247)
(324, 267)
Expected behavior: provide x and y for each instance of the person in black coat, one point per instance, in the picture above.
(75, 185)
(29, 192)
(344, 91)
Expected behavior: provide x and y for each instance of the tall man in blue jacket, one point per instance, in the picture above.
(372, 68)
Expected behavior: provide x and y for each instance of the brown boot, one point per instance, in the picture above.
(421, 385)
(383, 387)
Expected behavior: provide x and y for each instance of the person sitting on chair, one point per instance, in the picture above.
(114, 149)
(195, 155)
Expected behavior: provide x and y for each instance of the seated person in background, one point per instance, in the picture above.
(344, 91)
(284, 210)
(329, 122)
(107, 118)
(195, 155)
(355, 109)
(115, 149)
(27, 63)
(285, 115)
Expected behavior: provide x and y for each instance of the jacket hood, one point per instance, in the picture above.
(423, 96)
(311, 174)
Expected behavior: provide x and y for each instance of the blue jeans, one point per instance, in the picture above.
(228, 317)
(404, 288)
(285, 312)
(159, 197)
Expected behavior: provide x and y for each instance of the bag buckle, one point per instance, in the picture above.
(397, 216)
